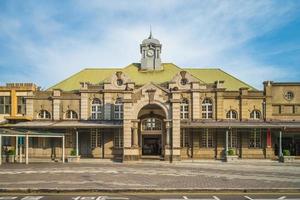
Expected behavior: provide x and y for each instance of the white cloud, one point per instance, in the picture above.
(194, 34)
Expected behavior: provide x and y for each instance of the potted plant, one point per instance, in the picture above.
(72, 157)
(286, 157)
(11, 155)
(231, 156)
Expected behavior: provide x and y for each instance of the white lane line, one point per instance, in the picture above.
(216, 198)
(283, 197)
(185, 197)
(248, 198)
(8, 198)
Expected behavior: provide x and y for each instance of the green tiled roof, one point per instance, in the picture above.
(98, 75)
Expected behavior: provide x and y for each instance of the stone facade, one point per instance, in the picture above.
(180, 118)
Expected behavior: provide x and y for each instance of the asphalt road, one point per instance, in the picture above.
(152, 196)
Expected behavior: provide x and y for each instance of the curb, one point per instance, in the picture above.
(147, 190)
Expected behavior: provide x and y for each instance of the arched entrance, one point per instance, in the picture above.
(151, 130)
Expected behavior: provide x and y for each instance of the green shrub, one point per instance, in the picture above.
(231, 152)
(73, 152)
(11, 152)
(286, 152)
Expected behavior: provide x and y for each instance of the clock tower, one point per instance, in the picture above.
(150, 50)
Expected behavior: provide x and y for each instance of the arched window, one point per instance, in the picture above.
(71, 114)
(151, 124)
(118, 109)
(184, 109)
(255, 114)
(44, 114)
(96, 109)
(207, 109)
(231, 114)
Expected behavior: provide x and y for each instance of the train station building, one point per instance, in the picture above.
(150, 110)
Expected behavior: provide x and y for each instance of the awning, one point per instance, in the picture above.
(241, 124)
(65, 124)
(23, 133)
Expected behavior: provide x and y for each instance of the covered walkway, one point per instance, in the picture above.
(20, 135)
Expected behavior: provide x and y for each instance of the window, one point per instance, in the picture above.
(119, 82)
(96, 109)
(95, 138)
(183, 81)
(118, 139)
(231, 114)
(151, 124)
(255, 138)
(118, 110)
(5, 104)
(232, 139)
(21, 105)
(184, 139)
(70, 139)
(207, 109)
(207, 139)
(289, 95)
(255, 114)
(184, 109)
(44, 114)
(71, 114)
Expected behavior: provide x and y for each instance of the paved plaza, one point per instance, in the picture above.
(151, 176)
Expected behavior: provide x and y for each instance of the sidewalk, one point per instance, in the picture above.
(149, 176)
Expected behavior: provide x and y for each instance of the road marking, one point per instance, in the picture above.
(248, 198)
(283, 197)
(216, 198)
(7, 198)
(99, 198)
(185, 197)
(32, 198)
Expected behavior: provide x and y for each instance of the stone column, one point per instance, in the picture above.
(135, 134)
(269, 153)
(129, 153)
(175, 142)
(167, 151)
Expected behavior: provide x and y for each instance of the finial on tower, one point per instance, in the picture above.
(150, 36)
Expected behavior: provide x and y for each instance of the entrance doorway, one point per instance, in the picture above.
(151, 145)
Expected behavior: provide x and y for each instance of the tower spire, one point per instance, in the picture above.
(150, 36)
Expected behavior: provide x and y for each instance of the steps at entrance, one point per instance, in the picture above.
(152, 158)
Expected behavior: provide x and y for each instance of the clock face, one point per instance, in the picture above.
(150, 52)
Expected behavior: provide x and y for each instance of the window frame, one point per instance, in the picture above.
(21, 105)
(152, 124)
(6, 105)
(44, 114)
(254, 113)
(207, 139)
(96, 109)
(184, 109)
(256, 140)
(118, 109)
(230, 113)
(71, 113)
(207, 108)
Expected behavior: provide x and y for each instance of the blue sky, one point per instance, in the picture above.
(47, 41)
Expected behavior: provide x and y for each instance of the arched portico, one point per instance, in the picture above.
(151, 130)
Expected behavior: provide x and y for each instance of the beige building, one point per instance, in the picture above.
(151, 110)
